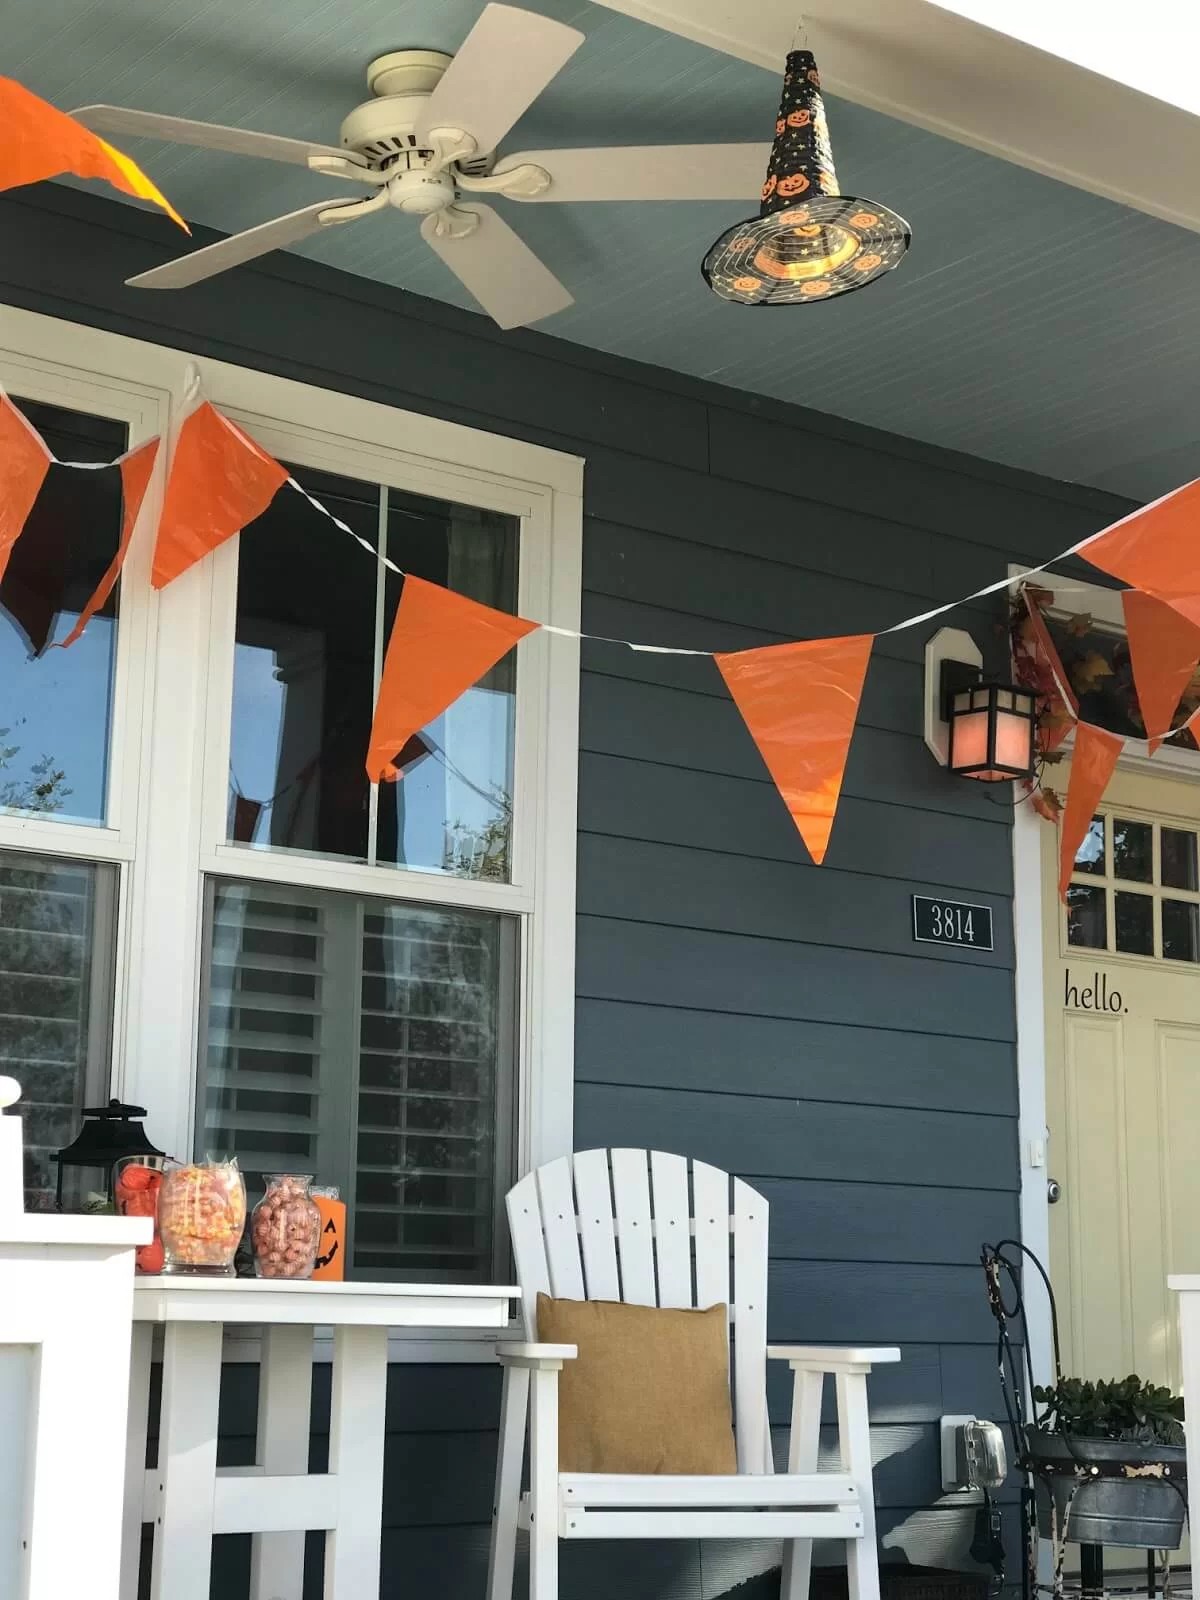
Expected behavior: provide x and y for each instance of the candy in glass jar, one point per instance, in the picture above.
(136, 1183)
(201, 1215)
(285, 1228)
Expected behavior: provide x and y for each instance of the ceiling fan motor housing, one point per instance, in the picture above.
(382, 129)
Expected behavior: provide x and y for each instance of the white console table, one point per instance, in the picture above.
(189, 1500)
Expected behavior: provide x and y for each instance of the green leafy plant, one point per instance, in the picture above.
(1121, 1408)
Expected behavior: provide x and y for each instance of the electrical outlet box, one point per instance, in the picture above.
(973, 1455)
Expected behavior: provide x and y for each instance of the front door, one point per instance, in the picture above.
(1122, 965)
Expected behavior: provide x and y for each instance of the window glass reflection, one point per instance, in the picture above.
(56, 706)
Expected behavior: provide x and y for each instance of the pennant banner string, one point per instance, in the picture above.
(192, 390)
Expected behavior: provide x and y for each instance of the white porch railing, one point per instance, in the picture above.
(66, 1306)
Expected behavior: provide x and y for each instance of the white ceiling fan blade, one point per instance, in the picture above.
(648, 172)
(239, 247)
(498, 267)
(206, 135)
(505, 62)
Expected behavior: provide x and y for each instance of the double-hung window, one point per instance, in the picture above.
(205, 907)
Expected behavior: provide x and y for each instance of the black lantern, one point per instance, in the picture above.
(993, 730)
(108, 1133)
(809, 241)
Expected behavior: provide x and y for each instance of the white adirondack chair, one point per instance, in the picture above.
(655, 1229)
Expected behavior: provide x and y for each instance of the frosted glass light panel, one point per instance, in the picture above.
(314, 614)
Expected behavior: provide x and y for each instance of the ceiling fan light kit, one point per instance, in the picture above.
(809, 241)
(427, 145)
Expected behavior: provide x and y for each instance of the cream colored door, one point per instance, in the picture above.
(1123, 1076)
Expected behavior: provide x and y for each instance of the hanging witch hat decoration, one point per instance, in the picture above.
(809, 241)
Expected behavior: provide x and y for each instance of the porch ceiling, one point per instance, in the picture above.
(1034, 323)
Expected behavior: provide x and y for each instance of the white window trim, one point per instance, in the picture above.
(171, 708)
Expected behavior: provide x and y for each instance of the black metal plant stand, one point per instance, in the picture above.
(1002, 1264)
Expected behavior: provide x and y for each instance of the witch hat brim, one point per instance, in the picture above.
(818, 248)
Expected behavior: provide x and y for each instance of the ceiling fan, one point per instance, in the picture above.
(428, 138)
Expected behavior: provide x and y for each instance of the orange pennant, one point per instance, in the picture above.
(800, 702)
(219, 481)
(1164, 649)
(1063, 706)
(1156, 549)
(1092, 762)
(441, 644)
(24, 463)
(136, 468)
(40, 141)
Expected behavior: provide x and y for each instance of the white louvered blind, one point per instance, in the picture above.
(370, 1044)
(56, 952)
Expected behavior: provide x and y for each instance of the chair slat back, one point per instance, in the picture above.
(652, 1229)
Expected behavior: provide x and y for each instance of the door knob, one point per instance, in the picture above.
(1053, 1191)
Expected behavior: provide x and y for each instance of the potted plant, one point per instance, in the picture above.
(1109, 1462)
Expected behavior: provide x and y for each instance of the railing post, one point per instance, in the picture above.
(12, 1151)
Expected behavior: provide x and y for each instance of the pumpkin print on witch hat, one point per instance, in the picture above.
(809, 241)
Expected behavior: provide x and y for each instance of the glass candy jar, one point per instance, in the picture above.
(136, 1183)
(201, 1216)
(285, 1228)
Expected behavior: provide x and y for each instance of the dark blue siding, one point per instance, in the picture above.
(734, 1003)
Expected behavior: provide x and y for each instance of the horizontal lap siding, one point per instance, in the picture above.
(734, 1003)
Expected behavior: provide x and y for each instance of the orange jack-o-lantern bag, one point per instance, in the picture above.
(331, 1256)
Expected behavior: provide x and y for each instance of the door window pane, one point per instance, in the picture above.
(57, 922)
(1090, 855)
(1133, 850)
(1181, 930)
(314, 613)
(1087, 923)
(56, 707)
(1179, 859)
(1134, 918)
(370, 1044)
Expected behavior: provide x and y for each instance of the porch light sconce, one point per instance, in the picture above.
(976, 728)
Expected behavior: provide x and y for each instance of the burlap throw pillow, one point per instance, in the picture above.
(649, 1391)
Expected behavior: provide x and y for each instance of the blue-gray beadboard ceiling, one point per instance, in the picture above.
(1032, 323)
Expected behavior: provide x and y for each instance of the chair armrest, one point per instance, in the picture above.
(832, 1358)
(538, 1357)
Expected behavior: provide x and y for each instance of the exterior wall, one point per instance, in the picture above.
(733, 1002)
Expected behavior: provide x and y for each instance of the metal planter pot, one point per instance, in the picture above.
(1144, 1513)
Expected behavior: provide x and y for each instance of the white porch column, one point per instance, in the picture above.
(65, 1321)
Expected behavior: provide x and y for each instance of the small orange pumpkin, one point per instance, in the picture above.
(810, 230)
(794, 183)
(780, 125)
(820, 286)
(863, 219)
(868, 263)
(746, 285)
(796, 119)
(744, 243)
(768, 188)
(814, 77)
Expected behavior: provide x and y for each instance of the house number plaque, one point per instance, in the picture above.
(951, 922)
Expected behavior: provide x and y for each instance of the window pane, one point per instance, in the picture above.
(55, 708)
(1179, 859)
(1181, 930)
(453, 810)
(1087, 923)
(311, 631)
(370, 1044)
(1090, 855)
(1134, 923)
(304, 673)
(56, 974)
(1133, 850)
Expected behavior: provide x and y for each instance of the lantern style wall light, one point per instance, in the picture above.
(976, 728)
